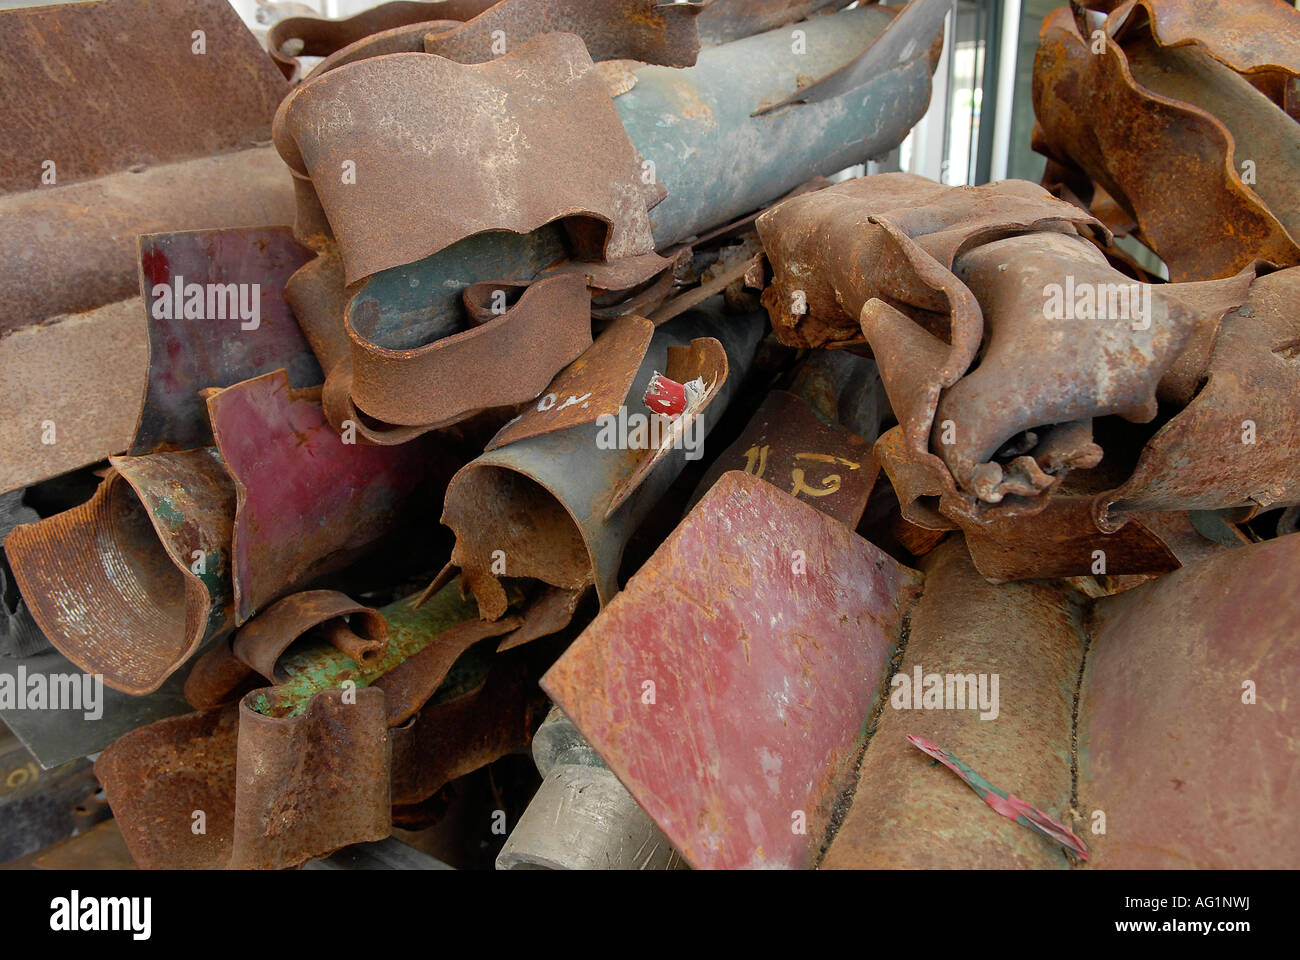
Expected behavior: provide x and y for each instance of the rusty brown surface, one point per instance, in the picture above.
(903, 813)
(112, 582)
(194, 757)
(408, 38)
(157, 85)
(761, 674)
(1233, 445)
(297, 800)
(441, 382)
(591, 386)
(1095, 113)
(547, 86)
(259, 643)
(787, 444)
(1210, 781)
(321, 37)
(643, 30)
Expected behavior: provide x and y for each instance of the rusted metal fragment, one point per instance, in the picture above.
(544, 86)
(441, 382)
(216, 316)
(1249, 36)
(1004, 804)
(409, 685)
(592, 386)
(297, 799)
(820, 463)
(916, 34)
(261, 641)
(1202, 662)
(158, 776)
(105, 352)
(728, 685)
(1214, 225)
(157, 86)
(844, 388)
(1111, 361)
(644, 30)
(308, 502)
(132, 582)
(742, 262)
(1028, 636)
(219, 677)
(320, 37)
(1063, 541)
(549, 613)
(894, 237)
(408, 38)
(1234, 444)
(542, 502)
(468, 725)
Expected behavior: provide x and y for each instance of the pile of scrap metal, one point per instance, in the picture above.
(744, 494)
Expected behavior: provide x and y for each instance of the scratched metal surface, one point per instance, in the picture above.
(763, 678)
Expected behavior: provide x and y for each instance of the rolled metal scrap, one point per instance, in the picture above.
(284, 780)
(1214, 224)
(1202, 662)
(408, 38)
(1233, 444)
(701, 688)
(581, 818)
(131, 583)
(71, 206)
(1085, 363)
(544, 502)
(545, 86)
(205, 337)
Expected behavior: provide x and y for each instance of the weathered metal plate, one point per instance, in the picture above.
(592, 386)
(308, 502)
(729, 684)
(1234, 444)
(788, 445)
(1202, 663)
(202, 338)
(159, 83)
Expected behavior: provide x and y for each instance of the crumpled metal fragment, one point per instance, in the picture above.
(1233, 445)
(728, 684)
(1155, 109)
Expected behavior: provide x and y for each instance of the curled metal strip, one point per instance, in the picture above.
(261, 641)
(132, 582)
